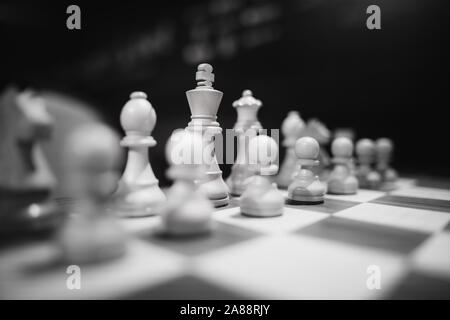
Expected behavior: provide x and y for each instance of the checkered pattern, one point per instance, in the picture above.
(310, 252)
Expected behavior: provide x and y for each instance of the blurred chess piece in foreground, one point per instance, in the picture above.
(26, 180)
(188, 210)
(91, 232)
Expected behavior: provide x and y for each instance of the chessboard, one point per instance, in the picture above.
(328, 251)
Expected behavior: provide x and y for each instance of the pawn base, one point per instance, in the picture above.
(388, 186)
(222, 202)
(261, 213)
(342, 190)
(298, 199)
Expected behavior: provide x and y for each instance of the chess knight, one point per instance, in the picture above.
(26, 180)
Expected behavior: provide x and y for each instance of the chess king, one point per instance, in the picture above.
(204, 103)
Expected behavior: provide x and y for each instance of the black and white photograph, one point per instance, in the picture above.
(237, 151)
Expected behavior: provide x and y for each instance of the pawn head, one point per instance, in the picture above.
(92, 158)
(263, 150)
(384, 146)
(365, 147)
(342, 147)
(293, 125)
(138, 116)
(307, 148)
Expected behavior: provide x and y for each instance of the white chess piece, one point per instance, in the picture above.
(292, 129)
(261, 197)
(91, 233)
(341, 179)
(204, 103)
(247, 108)
(367, 176)
(389, 177)
(138, 188)
(187, 210)
(306, 188)
(318, 130)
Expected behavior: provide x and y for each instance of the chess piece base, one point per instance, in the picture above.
(342, 188)
(388, 186)
(220, 202)
(91, 240)
(261, 213)
(216, 190)
(298, 199)
(139, 203)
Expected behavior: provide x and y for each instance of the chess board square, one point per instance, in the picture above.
(296, 267)
(395, 216)
(423, 193)
(364, 234)
(421, 286)
(329, 206)
(185, 287)
(291, 219)
(433, 257)
(363, 195)
(414, 202)
(221, 236)
(32, 276)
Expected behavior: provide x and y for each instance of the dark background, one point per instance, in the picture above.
(314, 56)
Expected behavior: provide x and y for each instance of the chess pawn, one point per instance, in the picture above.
(261, 197)
(384, 150)
(204, 103)
(187, 210)
(306, 188)
(292, 128)
(367, 177)
(138, 188)
(241, 169)
(247, 108)
(317, 130)
(91, 234)
(341, 179)
(26, 180)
